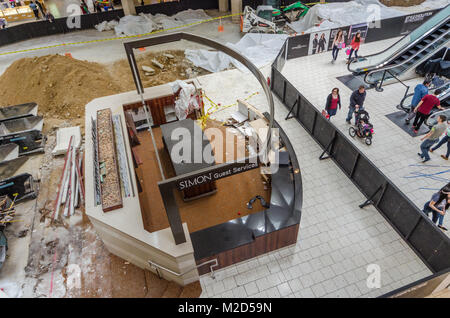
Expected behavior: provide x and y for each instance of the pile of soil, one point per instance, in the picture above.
(401, 3)
(62, 85)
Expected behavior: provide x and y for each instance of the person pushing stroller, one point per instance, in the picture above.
(363, 128)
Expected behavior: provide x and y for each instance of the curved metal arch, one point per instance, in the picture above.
(129, 46)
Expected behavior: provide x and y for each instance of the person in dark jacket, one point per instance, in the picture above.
(356, 99)
(97, 6)
(315, 43)
(35, 9)
(40, 8)
(49, 17)
(322, 43)
(333, 102)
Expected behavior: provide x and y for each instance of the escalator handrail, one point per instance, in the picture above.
(402, 49)
(388, 67)
(434, 115)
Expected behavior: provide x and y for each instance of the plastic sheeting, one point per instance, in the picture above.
(260, 49)
(334, 15)
(145, 23)
(186, 101)
(107, 25)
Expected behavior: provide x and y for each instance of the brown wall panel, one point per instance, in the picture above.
(261, 245)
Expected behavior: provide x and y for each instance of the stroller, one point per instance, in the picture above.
(363, 128)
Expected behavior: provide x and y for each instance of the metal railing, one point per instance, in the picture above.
(390, 67)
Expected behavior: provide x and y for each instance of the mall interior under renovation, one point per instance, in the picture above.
(224, 149)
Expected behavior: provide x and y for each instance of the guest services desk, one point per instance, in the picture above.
(258, 233)
(186, 135)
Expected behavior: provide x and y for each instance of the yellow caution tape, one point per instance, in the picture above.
(217, 107)
(121, 37)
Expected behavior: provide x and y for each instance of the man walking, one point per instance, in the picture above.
(423, 109)
(356, 99)
(445, 139)
(315, 43)
(419, 92)
(35, 9)
(432, 137)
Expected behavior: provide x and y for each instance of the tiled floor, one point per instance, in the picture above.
(337, 239)
(393, 150)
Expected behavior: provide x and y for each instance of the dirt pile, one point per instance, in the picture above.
(401, 3)
(61, 85)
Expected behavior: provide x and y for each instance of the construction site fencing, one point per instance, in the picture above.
(415, 228)
(30, 30)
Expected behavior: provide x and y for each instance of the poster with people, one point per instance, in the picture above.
(334, 32)
(318, 42)
(362, 28)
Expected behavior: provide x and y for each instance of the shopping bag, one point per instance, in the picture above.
(325, 114)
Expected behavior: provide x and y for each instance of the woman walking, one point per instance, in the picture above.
(333, 101)
(356, 42)
(438, 209)
(338, 43)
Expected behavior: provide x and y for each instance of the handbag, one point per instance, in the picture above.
(325, 114)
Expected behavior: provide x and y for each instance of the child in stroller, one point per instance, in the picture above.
(363, 128)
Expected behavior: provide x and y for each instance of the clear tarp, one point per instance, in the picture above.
(334, 15)
(260, 49)
(145, 23)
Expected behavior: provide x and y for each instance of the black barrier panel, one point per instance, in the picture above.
(441, 258)
(399, 210)
(431, 244)
(344, 153)
(368, 177)
(307, 115)
(415, 20)
(199, 4)
(298, 46)
(323, 131)
(278, 84)
(291, 95)
(167, 8)
(385, 29)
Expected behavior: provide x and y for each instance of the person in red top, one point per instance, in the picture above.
(424, 108)
(356, 42)
(333, 101)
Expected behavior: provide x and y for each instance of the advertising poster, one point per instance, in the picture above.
(413, 21)
(361, 28)
(333, 33)
(318, 42)
(298, 46)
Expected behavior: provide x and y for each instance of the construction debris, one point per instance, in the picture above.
(63, 138)
(156, 63)
(169, 56)
(148, 70)
(71, 184)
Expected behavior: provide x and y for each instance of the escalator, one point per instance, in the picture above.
(400, 60)
(444, 97)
